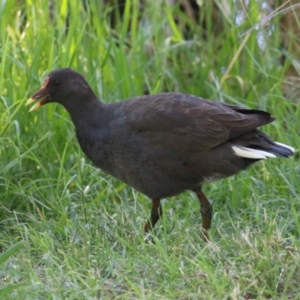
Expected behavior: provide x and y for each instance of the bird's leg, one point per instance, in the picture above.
(156, 212)
(206, 213)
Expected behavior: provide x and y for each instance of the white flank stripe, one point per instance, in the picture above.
(286, 146)
(251, 153)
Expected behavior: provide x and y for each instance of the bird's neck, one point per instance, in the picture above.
(85, 112)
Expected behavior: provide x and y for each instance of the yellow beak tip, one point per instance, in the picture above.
(29, 101)
(35, 106)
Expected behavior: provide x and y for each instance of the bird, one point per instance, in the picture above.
(162, 144)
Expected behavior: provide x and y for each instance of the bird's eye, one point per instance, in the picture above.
(56, 82)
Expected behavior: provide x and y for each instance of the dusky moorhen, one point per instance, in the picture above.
(162, 144)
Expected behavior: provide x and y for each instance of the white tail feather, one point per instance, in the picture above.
(286, 146)
(251, 153)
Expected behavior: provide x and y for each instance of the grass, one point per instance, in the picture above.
(68, 231)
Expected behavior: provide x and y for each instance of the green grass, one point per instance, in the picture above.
(81, 230)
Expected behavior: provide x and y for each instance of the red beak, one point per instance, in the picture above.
(41, 93)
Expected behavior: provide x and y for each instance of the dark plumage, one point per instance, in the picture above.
(162, 144)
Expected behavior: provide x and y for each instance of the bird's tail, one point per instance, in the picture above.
(258, 145)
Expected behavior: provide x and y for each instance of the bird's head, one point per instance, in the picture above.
(60, 86)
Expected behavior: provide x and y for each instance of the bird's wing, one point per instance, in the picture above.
(188, 124)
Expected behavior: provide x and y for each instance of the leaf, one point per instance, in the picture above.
(12, 250)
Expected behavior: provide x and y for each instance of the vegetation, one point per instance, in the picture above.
(72, 232)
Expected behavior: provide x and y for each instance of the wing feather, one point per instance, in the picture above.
(186, 124)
